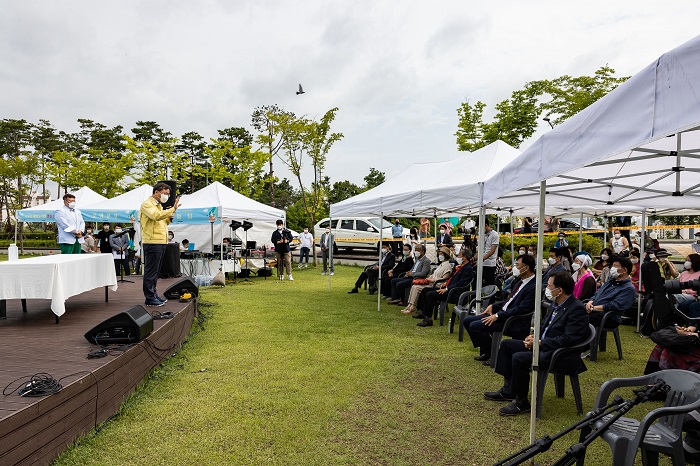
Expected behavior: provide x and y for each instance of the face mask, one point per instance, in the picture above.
(552, 261)
(575, 266)
(604, 257)
(118, 230)
(548, 294)
(171, 236)
(407, 253)
(458, 260)
(164, 198)
(89, 232)
(328, 231)
(305, 230)
(441, 258)
(652, 256)
(442, 231)
(279, 227)
(613, 272)
(531, 253)
(516, 271)
(416, 255)
(687, 265)
(617, 236)
(561, 238)
(634, 261)
(521, 252)
(385, 250)
(71, 205)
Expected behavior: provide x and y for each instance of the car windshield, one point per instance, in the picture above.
(375, 221)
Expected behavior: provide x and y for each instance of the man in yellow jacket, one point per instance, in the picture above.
(154, 236)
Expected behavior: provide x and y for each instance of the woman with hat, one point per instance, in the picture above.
(668, 270)
(443, 270)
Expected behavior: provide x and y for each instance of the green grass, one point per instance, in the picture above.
(290, 373)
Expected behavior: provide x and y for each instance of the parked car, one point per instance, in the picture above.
(365, 230)
(567, 226)
(295, 240)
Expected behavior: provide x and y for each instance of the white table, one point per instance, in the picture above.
(55, 277)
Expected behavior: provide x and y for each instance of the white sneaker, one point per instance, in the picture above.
(332, 273)
(299, 266)
(290, 278)
(323, 273)
(306, 266)
(281, 277)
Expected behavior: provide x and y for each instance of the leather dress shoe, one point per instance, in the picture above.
(499, 395)
(425, 323)
(514, 408)
(354, 290)
(418, 316)
(372, 290)
(482, 357)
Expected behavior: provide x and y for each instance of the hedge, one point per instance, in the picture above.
(592, 244)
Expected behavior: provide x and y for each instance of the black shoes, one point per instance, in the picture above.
(482, 357)
(418, 316)
(515, 407)
(354, 290)
(425, 323)
(499, 395)
(371, 290)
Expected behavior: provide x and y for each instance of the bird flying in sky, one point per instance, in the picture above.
(301, 90)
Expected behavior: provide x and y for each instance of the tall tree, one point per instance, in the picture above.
(265, 120)
(239, 168)
(46, 140)
(193, 146)
(374, 178)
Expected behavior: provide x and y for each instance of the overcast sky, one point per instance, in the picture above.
(397, 70)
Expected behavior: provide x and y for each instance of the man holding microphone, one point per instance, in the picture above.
(154, 236)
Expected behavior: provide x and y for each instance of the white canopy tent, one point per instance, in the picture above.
(45, 212)
(639, 145)
(123, 208)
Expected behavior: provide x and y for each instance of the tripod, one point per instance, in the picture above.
(577, 452)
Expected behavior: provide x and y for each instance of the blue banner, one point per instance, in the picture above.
(197, 216)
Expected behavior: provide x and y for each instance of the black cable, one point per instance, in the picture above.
(40, 384)
(157, 315)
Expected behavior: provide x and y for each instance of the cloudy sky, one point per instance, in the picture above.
(397, 70)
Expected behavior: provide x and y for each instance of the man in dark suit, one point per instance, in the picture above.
(521, 301)
(443, 238)
(402, 265)
(462, 276)
(377, 269)
(565, 325)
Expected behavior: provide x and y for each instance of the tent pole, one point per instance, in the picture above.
(580, 233)
(16, 224)
(537, 313)
(512, 247)
(379, 284)
(330, 250)
(605, 232)
(480, 256)
(222, 241)
(639, 264)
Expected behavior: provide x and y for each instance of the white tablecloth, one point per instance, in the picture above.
(56, 277)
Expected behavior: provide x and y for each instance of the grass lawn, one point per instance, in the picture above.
(290, 373)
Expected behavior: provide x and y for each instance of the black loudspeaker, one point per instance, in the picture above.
(186, 285)
(173, 193)
(170, 265)
(129, 326)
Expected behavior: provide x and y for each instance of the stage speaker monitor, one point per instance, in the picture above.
(130, 326)
(185, 285)
(173, 193)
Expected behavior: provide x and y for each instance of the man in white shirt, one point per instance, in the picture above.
(306, 239)
(70, 225)
(491, 240)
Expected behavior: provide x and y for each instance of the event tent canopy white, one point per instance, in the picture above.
(436, 188)
(123, 208)
(639, 146)
(44, 213)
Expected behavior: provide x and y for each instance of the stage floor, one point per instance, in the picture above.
(34, 430)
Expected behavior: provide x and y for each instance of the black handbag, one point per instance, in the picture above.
(668, 338)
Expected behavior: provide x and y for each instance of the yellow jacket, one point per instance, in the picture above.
(154, 222)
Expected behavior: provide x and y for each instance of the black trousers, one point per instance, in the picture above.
(489, 276)
(371, 276)
(481, 334)
(152, 257)
(119, 263)
(399, 286)
(432, 298)
(513, 363)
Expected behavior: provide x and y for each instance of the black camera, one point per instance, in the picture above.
(677, 286)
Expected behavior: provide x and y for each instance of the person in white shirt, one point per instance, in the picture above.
(70, 225)
(491, 240)
(306, 239)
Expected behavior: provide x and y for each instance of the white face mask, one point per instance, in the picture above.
(328, 231)
(305, 230)
(416, 255)
(522, 252)
(548, 294)
(442, 231)
(89, 232)
(516, 271)
(441, 258)
(458, 260)
(164, 198)
(279, 227)
(552, 261)
(652, 256)
(531, 253)
(575, 266)
(71, 205)
(118, 230)
(617, 236)
(687, 265)
(634, 261)
(407, 253)
(613, 272)
(604, 257)
(385, 250)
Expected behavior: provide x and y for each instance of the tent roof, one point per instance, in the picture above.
(435, 188)
(45, 212)
(637, 146)
(232, 205)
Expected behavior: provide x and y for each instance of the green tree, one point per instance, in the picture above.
(192, 146)
(342, 190)
(239, 168)
(374, 178)
(285, 194)
(266, 121)
(18, 165)
(46, 140)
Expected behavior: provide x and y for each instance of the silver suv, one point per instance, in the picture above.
(356, 232)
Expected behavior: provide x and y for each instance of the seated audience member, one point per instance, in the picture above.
(443, 270)
(668, 270)
(402, 265)
(619, 244)
(492, 319)
(413, 237)
(443, 238)
(636, 266)
(561, 241)
(565, 325)
(462, 276)
(585, 281)
(375, 270)
(171, 237)
(664, 358)
(601, 269)
(185, 245)
(615, 296)
(555, 257)
(420, 269)
(691, 271)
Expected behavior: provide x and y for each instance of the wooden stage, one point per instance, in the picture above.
(34, 430)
